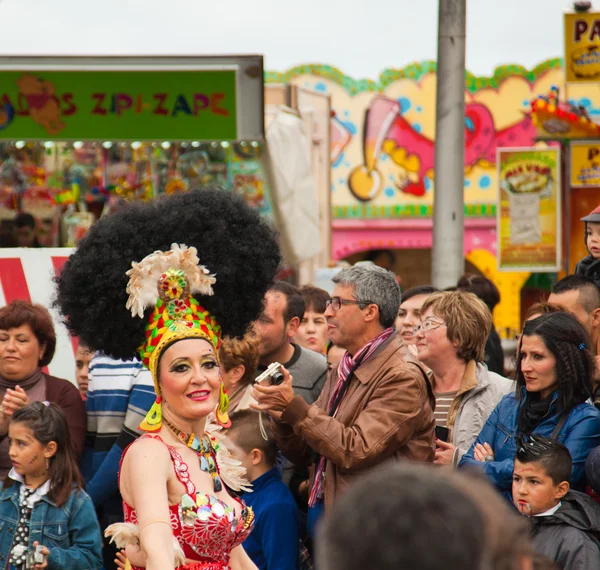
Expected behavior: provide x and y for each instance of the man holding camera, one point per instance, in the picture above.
(376, 405)
(283, 312)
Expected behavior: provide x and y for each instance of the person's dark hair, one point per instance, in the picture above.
(232, 240)
(314, 298)
(245, 431)
(416, 519)
(8, 237)
(482, 287)
(25, 220)
(375, 253)
(294, 300)
(569, 343)
(552, 455)
(507, 532)
(589, 292)
(38, 318)
(48, 423)
(418, 290)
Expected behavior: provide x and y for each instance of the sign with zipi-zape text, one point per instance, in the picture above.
(118, 105)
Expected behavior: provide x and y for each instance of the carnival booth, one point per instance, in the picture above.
(80, 137)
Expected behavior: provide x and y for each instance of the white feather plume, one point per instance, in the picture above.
(145, 275)
(126, 534)
(232, 471)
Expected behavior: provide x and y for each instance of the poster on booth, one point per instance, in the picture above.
(582, 47)
(528, 226)
(27, 274)
(118, 105)
(248, 180)
(585, 165)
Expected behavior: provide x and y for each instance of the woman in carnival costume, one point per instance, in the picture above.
(134, 287)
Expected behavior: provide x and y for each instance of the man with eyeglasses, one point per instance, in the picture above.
(376, 405)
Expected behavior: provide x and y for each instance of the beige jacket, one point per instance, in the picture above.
(479, 393)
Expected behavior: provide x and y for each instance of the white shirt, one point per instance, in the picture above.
(549, 512)
(35, 497)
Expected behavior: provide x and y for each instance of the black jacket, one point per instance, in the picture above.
(571, 536)
(589, 266)
(494, 355)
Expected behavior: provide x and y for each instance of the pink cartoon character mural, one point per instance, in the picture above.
(386, 131)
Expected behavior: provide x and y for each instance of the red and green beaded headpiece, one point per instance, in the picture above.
(167, 281)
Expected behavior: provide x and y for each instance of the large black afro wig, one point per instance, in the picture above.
(232, 240)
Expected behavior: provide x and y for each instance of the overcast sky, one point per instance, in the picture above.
(360, 40)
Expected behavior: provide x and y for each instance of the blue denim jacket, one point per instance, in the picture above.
(71, 531)
(580, 434)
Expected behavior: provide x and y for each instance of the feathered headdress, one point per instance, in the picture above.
(166, 280)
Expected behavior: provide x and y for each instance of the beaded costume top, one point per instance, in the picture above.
(206, 527)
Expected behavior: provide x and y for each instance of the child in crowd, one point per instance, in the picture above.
(274, 542)
(42, 505)
(589, 266)
(83, 356)
(565, 524)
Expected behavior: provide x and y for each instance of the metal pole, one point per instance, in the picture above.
(448, 206)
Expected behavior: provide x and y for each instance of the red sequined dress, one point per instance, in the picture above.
(207, 529)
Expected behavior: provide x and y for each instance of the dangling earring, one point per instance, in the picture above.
(222, 415)
(47, 464)
(153, 420)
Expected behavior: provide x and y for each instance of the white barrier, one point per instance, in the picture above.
(28, 274)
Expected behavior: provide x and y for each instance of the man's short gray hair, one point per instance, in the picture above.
(373, 284)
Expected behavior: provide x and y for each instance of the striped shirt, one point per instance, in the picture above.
(120, 394)
(443, 401)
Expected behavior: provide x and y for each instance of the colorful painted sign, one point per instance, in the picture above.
(582, 47)
(529, 231)
(118, 105)
(585, 165)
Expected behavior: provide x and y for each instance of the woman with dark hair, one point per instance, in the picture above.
(27, 344)
(409, 314)
(554, 382)
(132, 288)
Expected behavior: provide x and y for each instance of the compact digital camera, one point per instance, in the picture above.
(273, 372)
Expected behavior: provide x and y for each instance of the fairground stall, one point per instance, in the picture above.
(80, 137)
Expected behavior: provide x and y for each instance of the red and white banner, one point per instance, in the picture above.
(27, 274)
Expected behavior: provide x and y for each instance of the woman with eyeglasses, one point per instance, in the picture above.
(451, 342)
(554, 382)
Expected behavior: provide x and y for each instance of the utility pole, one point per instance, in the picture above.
(448, 205)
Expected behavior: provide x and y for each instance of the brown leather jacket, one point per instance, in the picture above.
(387, 412)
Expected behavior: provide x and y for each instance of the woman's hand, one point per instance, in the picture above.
(274, 399)
(45, 552)
(14, 400)
(303, 488)
(121, 560)
(483, 452)
(444, 452)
